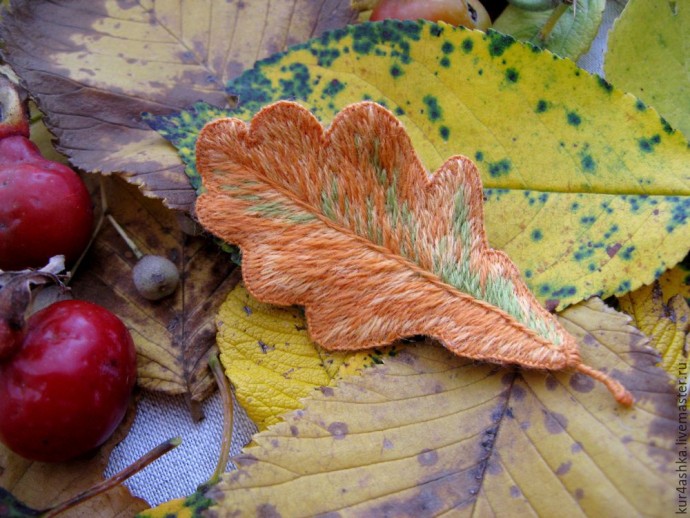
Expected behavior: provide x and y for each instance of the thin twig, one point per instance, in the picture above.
(553, 20)
(132, 246)
(117, 478)
(94, 234)
(226, 395)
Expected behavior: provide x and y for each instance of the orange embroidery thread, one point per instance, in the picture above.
(347, 223)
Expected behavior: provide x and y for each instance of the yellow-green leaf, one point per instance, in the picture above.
(268, 356)
(572, 34)
(587, 190)
(665, 320)
(428, 433)
(649, 55)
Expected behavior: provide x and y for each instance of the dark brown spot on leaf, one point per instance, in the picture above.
(564, 468)
(267, 511)
(338, 430)
(551, 382)
(427, 457)
(552, 304)
(554, 422)
(613, 250)
(518, 393)
(581, 383)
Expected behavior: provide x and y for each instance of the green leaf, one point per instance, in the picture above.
(587, 189)
(571, 36)
(649, 55)
(427, 433)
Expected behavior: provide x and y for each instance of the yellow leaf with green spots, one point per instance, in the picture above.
(587, 189)
(649, 55)
(665, 320)
(430, 434)
(269, 358)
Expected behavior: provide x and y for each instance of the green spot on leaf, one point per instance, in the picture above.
(574, 119)
(498, 43)
(512, 75)
(500, 168)
(588, 163)
(433, 111)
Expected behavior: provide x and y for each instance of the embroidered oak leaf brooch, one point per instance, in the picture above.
(347, 223)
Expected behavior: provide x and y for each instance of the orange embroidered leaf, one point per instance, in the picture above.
(349, 224)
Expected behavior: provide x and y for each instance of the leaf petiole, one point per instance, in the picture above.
(116, 479)
(225, 390)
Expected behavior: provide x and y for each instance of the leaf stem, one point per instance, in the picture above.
(551, 23)
(94, 234)
(132, 246)
(116, 479)
(225, 390)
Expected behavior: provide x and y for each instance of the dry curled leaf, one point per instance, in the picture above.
(171, 335)
(348, 223)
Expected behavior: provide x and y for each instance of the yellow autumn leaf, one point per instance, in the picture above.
(428, 433)
(665, 320)
(647, 54)
(268, 356)
(676, 281)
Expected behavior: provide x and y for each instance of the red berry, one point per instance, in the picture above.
(67, 388)
(45, 208)
(469, 13)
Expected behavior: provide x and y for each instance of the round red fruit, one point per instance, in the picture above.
(45, 208)
(468, 13)
(66, 389)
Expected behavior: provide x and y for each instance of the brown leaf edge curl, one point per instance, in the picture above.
(301, 203)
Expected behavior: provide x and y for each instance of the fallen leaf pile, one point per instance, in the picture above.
(586, 188)
(471, 439)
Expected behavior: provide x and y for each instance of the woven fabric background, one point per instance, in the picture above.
(160, 417)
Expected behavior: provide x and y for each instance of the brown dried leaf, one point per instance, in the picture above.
(41, 485)
(93, 67)
(172, 335)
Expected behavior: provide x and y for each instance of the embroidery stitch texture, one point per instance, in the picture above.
(348, 223)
